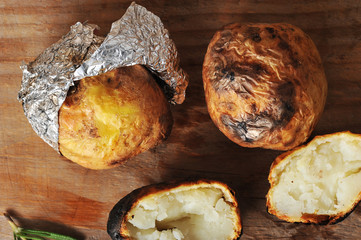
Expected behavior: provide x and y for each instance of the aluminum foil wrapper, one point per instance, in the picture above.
(139, 37)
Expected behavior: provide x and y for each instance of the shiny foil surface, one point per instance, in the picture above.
(47, 80)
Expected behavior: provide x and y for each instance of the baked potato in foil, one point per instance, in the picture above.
(111, 117)
(101, 100)
(192, 210)
(319, 182)
(264, 84)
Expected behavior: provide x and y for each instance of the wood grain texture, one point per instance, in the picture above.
(44, 190)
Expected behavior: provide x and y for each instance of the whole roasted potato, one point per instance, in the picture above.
(109, 118)
(319, 182)
(192, 210)
(264, 84)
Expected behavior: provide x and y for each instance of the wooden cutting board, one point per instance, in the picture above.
(44, 190)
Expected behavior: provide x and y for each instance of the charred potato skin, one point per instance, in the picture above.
(264, 84)
(306, 218)
(134, 86)
(116, 226)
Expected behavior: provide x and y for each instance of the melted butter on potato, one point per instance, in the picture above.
(109, 118)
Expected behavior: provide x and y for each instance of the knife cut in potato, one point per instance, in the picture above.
(109, 118)
(192, 210)
(264, 84)
(319, 182)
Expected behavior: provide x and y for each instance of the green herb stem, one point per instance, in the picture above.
(29, 234)
(54, 236)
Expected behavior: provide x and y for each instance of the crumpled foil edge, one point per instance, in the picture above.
(46, 80)
(139, 37)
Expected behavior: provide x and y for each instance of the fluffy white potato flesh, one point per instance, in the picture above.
(187, 212)
(322, 178)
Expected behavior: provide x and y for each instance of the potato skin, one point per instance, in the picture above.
(112, 117)
(116, 226)
(264, 84)
(306, 217)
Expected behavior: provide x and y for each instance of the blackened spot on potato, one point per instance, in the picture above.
(253, 33)
(283, 45)
(271, 31)
(74, 95)
(117, 236)
(238, 128)
(225, 37)
(286, 92)
(295, 62)
(109, 80)
(228, 74)
(288, 112)
(74, 89)
(241, 77)
(292, 55)
(256, 37)
(252, 69)
(246, 139)
(242, 125)
(254, 107)
(233, 192)
(231, 76)
(257, 68)
(288, 107)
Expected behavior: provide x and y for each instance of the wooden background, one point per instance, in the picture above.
(43, 190)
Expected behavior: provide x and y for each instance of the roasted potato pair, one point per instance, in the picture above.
(316, 183)
(264, 86)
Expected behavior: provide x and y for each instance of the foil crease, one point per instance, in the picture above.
(47, 80)
(139, 37)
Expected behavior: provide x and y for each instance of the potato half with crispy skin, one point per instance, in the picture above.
(111, 117)
(319, 182)
(264, 84)
(192, 210)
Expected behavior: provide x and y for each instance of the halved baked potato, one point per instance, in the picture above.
(109, 118)
(319, 182)
(264, 84)
(192, 210)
